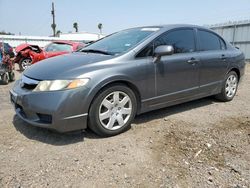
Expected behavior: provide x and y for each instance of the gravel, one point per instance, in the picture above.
(203, 143)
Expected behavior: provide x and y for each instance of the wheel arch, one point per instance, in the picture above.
(235, 69)
(125, 82)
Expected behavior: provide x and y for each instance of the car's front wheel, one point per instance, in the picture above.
(112, 111)
(229, 88)
(24, 64)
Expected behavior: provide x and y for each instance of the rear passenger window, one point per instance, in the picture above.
(209, 41)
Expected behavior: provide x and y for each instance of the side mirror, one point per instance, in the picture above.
(163, 50)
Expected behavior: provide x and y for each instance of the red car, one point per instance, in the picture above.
(29, 54)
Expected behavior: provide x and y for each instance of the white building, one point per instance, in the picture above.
(81, 36)
(15, 40)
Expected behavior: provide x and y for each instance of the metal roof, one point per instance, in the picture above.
(230, 24)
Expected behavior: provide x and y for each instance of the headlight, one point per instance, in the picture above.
(55, 85)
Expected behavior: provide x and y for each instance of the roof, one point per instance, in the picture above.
(172, 26)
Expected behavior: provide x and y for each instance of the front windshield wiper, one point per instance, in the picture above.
(96, 51)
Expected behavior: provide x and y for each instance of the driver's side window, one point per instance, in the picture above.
(182, 40)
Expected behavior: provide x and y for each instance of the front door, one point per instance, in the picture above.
(177, 75)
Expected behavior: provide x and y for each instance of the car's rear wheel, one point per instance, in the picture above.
(5, 78)
(112, 110)
(25, 63)
(229, 88)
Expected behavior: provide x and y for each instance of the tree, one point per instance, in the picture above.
(75, 26)
(6, 33)
(100, 26)
(58, 33)
(53, 26)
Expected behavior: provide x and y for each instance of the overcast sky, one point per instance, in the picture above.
(33, 17)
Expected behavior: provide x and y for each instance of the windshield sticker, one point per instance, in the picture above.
(150, 29)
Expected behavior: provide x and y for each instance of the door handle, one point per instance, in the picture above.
(223, 57)
(193, 61)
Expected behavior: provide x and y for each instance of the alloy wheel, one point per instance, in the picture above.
(231, 86)
(26, 63)
(115, 110)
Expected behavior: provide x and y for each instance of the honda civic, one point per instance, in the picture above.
(104, 85)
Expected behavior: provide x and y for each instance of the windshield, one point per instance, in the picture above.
(121, 41)
(58, 47)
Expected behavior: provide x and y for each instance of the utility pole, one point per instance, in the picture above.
(53, 25)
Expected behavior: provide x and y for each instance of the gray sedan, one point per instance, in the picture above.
(104, 85)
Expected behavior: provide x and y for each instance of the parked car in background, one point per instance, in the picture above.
(104, 85)
(7, 49)
(29, 54)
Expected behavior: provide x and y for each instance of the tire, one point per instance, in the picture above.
(5, 78)
(229, 88)
(24, 64)
(112, 110)
(12, 76)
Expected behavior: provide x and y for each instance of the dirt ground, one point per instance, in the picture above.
(204, 143)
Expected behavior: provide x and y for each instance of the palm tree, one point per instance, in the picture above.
(53, 26)
(100, 26)
(75, 25)
(58, 33)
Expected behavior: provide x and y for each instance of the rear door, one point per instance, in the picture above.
(214, 60)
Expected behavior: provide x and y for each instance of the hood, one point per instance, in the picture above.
(67, 66)
(21, 47)
(24, 46)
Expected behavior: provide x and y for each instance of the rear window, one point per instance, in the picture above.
(58, 47)
(209, 41)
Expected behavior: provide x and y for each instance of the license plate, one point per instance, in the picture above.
(13, 96)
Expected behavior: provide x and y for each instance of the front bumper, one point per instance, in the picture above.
(62, 111)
